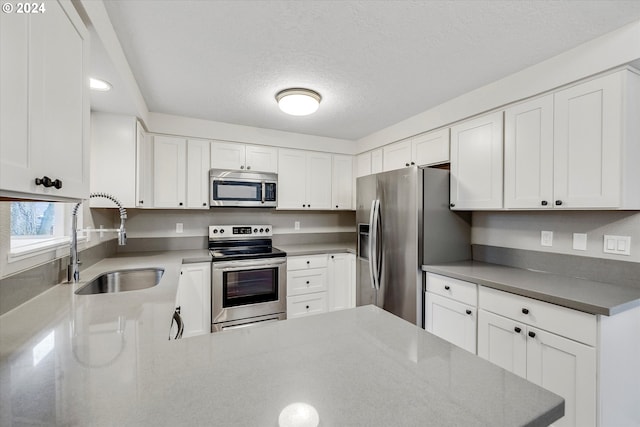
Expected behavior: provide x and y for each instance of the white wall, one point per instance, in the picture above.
(521, 230)
(609, 51)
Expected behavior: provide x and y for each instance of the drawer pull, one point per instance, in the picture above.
(532, 334)
(468, 311)
(307, 283)
(518, 330)
(307, 307)
(525, 311)
(308, 262)
(447, 287)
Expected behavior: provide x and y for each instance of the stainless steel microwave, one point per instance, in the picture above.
(245, 189)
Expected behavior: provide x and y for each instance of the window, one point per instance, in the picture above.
(37, 225)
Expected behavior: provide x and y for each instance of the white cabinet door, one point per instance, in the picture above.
(144, 172)
(528, 155)
(503, 342)
(194, 298)
(397, 155)
(588, 144)
(198, 174)
(342, 182)
(318, 180)
(341, 287)
(431, 148)
(169, 159)
(261, 158)
(52, 139)
(227, 155)
(363, 164)
(292, 179)
(568, 369)
(113, 148)
(476, 163)
(451, 321)
(376, 161)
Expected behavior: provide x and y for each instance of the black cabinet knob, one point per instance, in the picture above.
(453, 205)
(47, 182)
(307, 282)
(241, 167)
(447, 287)
(336, 206)
(304, 206)
(332, 256)
(518, 330)
(544, 203)
(413, 163)
(248, 167)
(204, 204)
(141, 202)
(468, 311)
(308, 206)
(558, 202)
(57, 184)
(307, 307)
(180, 203)
(406, 164)
(532, 334)
(525, 311)
(308, 262)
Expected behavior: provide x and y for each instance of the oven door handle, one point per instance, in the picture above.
(246, 264)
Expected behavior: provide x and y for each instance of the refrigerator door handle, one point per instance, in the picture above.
(379, 244)
(372, 244)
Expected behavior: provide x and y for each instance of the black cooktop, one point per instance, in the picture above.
(233, 250)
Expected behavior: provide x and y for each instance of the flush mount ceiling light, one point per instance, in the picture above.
(99, 85)
(298, 101)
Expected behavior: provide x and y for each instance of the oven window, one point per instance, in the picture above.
(249, 286)
(237, 190)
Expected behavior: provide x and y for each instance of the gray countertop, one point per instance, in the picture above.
(106, 360)
(318, 248)
(579, 294)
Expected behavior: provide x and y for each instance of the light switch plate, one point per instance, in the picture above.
(580, 241)
(619, 245)
(546, 238)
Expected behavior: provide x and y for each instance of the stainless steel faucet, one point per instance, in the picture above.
(73, 269)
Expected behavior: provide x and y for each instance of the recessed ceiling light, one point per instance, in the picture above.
(298, 101)
(100, 85)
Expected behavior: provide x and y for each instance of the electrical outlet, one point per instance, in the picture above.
(296, 225)
(101, 232)
(179, 227)
(546, 238)
(579, 241)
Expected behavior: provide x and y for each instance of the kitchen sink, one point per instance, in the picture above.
(122, 280)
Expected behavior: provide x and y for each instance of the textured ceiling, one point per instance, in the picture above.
(374, 62)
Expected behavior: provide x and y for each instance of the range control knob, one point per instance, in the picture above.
(255, 230)
(266, 230)
(221, 230)
(262, 230)
(215, 231)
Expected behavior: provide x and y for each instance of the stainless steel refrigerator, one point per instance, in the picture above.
(404, 221)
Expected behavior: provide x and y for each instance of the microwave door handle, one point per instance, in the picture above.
(264, 187)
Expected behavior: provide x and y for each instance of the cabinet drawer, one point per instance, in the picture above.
(459, 290)
(306, 262)
(563, 321)
(306, 281)
(305, 305)
(450, 320)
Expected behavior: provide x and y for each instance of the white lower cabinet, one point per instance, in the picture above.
(194, 298)
(320, 283)
(557, 363)
(450, 310)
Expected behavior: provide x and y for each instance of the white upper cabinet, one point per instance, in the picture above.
(430, 148)
(304, 180)
(476, 163)
(342, 182)
(144, 169)
(575, 149)
(169, 165)
(376, 161)
(363, 164)
(596, 153)
(44, 111)
(236, 156)
(397, 155)
(198, 174)
(528, 154)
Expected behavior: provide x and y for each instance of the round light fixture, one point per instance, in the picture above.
(99, 85)
(298, 101)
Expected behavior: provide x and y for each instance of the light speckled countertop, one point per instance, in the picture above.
(318, 248)
(579, 294)
(106, 360)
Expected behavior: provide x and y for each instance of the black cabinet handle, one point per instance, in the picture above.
(308, 262)
(544, 203)
(525, 311)
(518, 330)
(406, 164)
(413, 163)
(336, 206)
(332, 257)
(532, 334)
(141, 202)
(47, 182)
(307, 282)
(453, 205)
(558, 202)
(241, 167)
(304, 206)
(447, 287)
(204, 204)
(248, 167)
(307, 307)
(468, 311)
(180, 203)
(308, 206)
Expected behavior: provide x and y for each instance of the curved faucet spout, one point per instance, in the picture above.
(73, 269)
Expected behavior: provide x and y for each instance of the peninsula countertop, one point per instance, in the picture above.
(576, 293)
(69, 359)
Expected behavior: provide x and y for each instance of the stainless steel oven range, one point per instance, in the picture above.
(248, 276)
